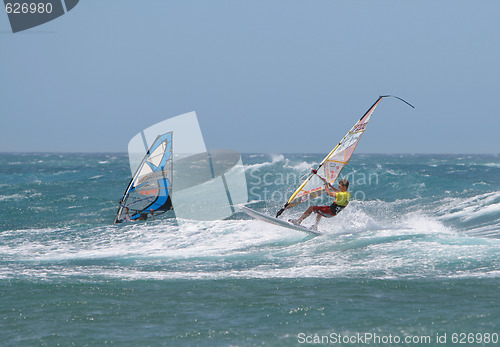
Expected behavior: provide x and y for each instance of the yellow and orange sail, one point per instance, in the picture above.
(330, 168)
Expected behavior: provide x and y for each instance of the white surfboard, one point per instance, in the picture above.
(276, 221)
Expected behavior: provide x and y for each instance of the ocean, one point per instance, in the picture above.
(413, 260)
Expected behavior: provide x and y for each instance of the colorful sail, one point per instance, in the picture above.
(330, 168)
(192, 182)
(151, 185)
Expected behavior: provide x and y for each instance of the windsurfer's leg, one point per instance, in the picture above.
(318, 218)
(306, 214)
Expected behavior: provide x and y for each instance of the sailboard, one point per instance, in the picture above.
(268, 219)
(151, 185)
(330, 167)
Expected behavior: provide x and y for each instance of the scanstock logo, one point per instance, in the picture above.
(26, 14)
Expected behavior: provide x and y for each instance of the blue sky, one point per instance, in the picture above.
(263, 76)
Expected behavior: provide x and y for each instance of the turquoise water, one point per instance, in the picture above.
(415, 255)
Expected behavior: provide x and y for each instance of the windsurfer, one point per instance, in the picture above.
(126, 216)
(342, 198)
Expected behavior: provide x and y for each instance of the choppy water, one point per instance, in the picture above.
(416, 254)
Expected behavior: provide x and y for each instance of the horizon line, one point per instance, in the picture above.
(271, 153)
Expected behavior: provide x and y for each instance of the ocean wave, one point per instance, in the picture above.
(287, 164)
(274, 159)
(11, 197)
(469, 208)
(411, 247)
(17, 197)
(96, 177)
(64, 172)
(424, 224)
(495, 165)
(301, 167)
(396, 172)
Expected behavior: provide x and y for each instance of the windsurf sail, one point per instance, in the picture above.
(196, 184)
(331, 166)
(151, 185)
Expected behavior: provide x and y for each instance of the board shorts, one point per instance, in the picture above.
(328, 211)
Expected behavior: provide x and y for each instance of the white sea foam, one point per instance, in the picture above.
(274, 159)
(455, 236)
(301, 167)
(27, 194)
(277, 157)
(495, 165)
(13, 197)
(468, 208)
(370, 239)
(396, 172)
(96, 177)
(64, 172)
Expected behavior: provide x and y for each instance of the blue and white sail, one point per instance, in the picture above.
(149, 191)
(203, 185)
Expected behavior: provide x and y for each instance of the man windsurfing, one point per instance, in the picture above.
(342, 198)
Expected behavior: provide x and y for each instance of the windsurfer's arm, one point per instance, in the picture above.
(327, 185)
(329, 191)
